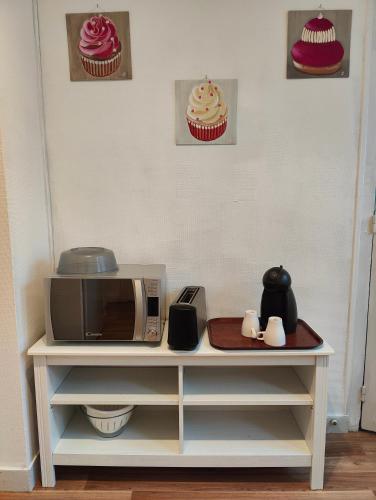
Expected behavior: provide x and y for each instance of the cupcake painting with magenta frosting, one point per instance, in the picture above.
(206, 111)
(319, 44)
(99, 46)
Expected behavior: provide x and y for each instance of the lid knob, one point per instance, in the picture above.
(276, 278)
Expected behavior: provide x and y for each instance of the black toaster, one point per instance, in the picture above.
(187, 319)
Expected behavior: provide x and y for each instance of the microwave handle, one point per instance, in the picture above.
(139, 310)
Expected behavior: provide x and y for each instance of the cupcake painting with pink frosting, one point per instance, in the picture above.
(206, 111)
(319, 44)
(99, 46)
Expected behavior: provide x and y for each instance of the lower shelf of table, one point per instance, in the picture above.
(212, 438)
(243, 432)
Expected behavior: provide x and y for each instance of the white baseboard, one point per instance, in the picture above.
(338, 423)
(19, 479)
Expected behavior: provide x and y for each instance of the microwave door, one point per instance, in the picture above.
(65, 309)
(93, 309)
(110, 309)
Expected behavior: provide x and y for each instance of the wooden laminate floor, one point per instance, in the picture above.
(350, 474)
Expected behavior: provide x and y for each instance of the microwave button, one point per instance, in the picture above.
(152, 333)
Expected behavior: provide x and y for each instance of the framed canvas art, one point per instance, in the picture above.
(318, 44)
(205, 111)
(99, 46)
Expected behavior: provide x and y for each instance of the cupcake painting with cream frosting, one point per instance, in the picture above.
(206, 111)
(99, 46)
(319, 44)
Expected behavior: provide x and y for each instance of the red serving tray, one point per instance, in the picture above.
(225, 333)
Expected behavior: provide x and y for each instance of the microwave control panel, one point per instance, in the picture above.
(153, 318)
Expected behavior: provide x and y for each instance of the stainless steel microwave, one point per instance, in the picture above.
(124, 305)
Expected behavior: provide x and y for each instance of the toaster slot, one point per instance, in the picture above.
(188, 294)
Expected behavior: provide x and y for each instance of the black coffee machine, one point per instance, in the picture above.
(278, 299)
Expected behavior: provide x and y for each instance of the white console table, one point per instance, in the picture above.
(204, 408)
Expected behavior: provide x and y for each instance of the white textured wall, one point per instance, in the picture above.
(217, 216)
(12, 442)
(28, 253)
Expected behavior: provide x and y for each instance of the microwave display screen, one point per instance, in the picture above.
(153, 306)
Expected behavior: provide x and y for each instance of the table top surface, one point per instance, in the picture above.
(134, 349)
